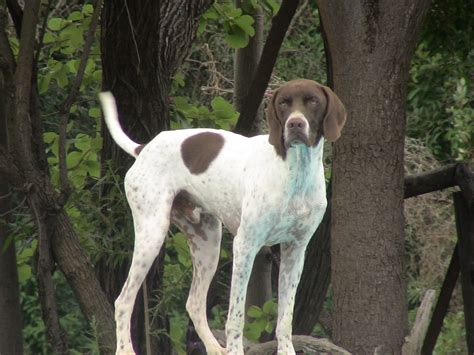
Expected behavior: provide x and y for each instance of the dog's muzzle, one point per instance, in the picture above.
(296, 131)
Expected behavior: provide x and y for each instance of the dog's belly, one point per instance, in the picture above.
(191, 207)
(291, 223)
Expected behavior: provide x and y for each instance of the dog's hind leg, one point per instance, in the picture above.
(151, 217)
(204, 233)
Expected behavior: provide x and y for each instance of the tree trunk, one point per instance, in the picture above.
(315, 277)
(143, 43)
(10, 321)
(370, 44)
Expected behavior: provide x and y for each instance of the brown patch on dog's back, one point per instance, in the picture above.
(200, 150)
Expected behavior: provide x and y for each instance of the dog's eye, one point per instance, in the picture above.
(312, 100)
(284, 103)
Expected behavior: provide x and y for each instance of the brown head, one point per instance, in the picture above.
(301, 112)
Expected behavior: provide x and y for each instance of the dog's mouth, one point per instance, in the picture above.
(296, 140)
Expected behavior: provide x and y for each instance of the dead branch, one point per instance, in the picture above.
(304, 343)
(300, 342)
(414, 341)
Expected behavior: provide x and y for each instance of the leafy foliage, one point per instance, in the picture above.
(262, 320)
(223, 115)
(440, 112)
(441, 99)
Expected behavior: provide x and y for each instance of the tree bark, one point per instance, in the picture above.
(371, 44)
(315, 277)
(10, 321)
(143, 43)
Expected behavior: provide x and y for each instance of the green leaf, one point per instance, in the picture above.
(179, 79)
(56, 23)
(232, 11)
(75, 16)
(245, 22)
(181, 246)
(24, 273)
(94, 112)
(49, 38)
(73, 36)
(58, 73)
(43, 84)
(260, 324)
(270, 307)
(273, 5)
(96, 143)
(222, 108)
(92, 165)
(49, 137)
(254, 312)
(181, 103)
(252, 333)
(72, 65)
(237, 38)
(73, 159)
(269, 327)
(88, 9)
(97, 75)
(82, 142)
(6, 243)
(211, 14)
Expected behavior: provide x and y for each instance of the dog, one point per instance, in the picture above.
(265, 190)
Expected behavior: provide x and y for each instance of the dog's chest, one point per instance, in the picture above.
(293, 207)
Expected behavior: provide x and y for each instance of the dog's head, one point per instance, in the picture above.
(301, 112)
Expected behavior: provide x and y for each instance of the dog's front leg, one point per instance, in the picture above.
(291, 265)
(244, 250)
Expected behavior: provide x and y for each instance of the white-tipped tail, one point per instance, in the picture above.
(109, 108)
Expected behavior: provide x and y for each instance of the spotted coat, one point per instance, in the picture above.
(265, 190)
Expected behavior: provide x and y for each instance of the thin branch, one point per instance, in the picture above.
(280, 24)
(43, 31)
(66, 106)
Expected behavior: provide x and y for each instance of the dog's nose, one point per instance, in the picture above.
(296, 124)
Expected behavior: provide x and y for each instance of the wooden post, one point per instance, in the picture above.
(464, 212)
(442, 304)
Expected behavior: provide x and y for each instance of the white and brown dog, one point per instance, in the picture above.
(266, 190)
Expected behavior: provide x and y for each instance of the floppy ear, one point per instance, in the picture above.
(275, 134)
(335, 115)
